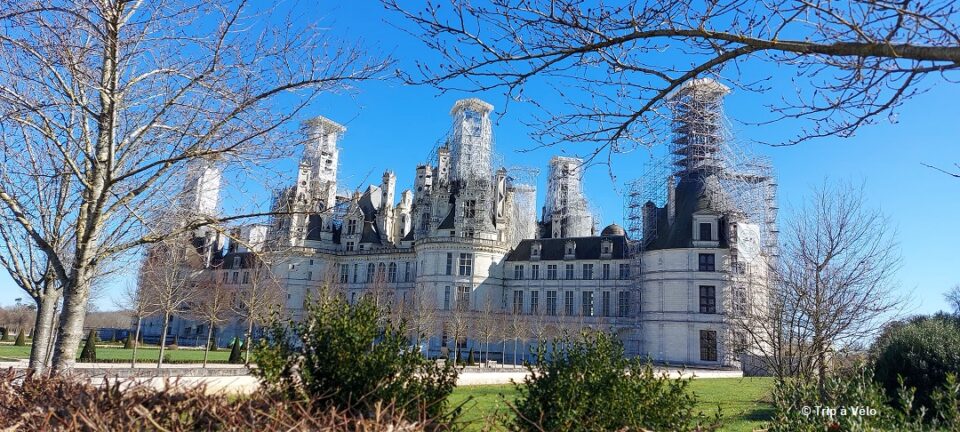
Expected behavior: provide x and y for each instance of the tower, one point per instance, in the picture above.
(201, 190)
(565, 212)
(471, 140)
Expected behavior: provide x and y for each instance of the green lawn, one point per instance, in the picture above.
(744, 402)
(116, 353)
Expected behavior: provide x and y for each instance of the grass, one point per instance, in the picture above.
(145, 354)
(744, 402)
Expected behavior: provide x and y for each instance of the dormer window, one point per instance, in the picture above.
(706, 231)
(570, 250)
(606, 248)
(535, 250)
(351, 226)
(236, 262)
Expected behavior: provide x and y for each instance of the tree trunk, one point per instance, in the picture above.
(163, 337)
(206, 347)
(43, 331)
(136, 342)
(515, 341)
(246, 360)
(70, 333)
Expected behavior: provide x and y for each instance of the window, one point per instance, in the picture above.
(518, 272)
(463, 298)
(551, 302)
(353, 298)
(246, 277)
(406, 271)
(349, 246)
(624, 271)
(449, 263)
(344, 273)
(226, 276)
(568, 274)
(568, 303)
(236, 277)
(535, 271)
(551, 271)
(518, 302)
(356, 272)
(535, 249)
(587, 303)
(708, 299)
(466, 264)
(370, 271)
(708, 262)
(534, 302)
(392, 272)
(236, 262)
(446, 298)
(706, 231)
(381, 272)
(425, 221)
(470, 208)
(588, 271)
(351, 226)
(309, 275)
(708, 345)
(623, 304)
(468, 233)
(605, 303)
(605, 272)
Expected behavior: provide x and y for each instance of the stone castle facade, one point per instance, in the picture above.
(464, 256)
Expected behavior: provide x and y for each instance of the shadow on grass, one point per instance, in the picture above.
(759, 414)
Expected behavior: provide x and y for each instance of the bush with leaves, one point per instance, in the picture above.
(89, 352)
(352, 357)
(800, 406)
(587, 384)
(235, 356)
(921, 353)
(21, 339)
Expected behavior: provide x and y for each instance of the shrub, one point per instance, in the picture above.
(922, 352)
(128, 342)
(352, 357)
(235, 357)
(586, 384)
(89, 353)
(65, 403)
(801, 407)
(21, 340)
(4, 334)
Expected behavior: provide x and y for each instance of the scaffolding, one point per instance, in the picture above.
(633, 209)
(565, 210)
(738, 184)
(471, 140)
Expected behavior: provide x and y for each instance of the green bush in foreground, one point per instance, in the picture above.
(921, 353)
(855, 402)
(586, 384)
(89, 353)
(353, 358)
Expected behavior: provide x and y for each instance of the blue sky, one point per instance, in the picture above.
(393, 126)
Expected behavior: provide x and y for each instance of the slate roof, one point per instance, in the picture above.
(554, 249)
(691, 197)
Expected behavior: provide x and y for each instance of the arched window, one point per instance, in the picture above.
(392, 272)
(381, 271)
(370, 269)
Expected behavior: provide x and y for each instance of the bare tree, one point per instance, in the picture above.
(953, 298)
(832, 287)
(423, 315)
(137, 301)
(168, 279)
(609, 67)
(258, 299)
(486, 327)
(211, 304)
(107, 103)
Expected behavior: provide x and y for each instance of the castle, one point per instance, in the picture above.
(465, 257)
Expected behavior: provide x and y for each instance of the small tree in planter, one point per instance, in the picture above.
(89, 353)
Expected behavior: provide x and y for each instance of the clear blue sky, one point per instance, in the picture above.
(392, 126)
